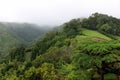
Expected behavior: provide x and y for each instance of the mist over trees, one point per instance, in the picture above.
(87, 49)
(14, 34)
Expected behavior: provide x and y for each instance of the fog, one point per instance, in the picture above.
(54, 12)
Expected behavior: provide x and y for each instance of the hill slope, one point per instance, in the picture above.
(12, 34)
(93, 34)
(74, 52)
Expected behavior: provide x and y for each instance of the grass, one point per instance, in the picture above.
(92, 33)
(109, 76)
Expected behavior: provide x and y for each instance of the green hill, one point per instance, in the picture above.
(78, 50)
(12, 34)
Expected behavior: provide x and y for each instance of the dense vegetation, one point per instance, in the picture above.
(74, 52)
(103, 23)
(12, 34)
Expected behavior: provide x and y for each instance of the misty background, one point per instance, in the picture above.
(54, 12)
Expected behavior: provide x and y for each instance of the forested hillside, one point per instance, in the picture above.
(13, 34)
(102, 23)
(83, 49)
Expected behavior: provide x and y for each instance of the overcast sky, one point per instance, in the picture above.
(54, 12)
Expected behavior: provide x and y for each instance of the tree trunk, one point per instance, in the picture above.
(102, 70)
(117, 77)
(101, 75)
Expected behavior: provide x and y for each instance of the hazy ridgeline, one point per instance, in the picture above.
(14, 34)
(81, 49)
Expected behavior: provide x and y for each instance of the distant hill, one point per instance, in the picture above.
(87, 49)
(12, 34)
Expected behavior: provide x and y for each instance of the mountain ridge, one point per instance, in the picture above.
(81, 50)
(13, 34)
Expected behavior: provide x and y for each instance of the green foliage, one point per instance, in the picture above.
(72, 28)
(110, 76)
(51, 39)
(98, 55)
(45, 72)
(105, 28)
(18, 53)
(48, 72)
(78, 75)
(102, 22)
(44, 44)
(31, 74)
(70, 53)
(13, 34)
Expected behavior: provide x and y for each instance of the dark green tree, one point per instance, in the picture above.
(18, 53)
(99, 56)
